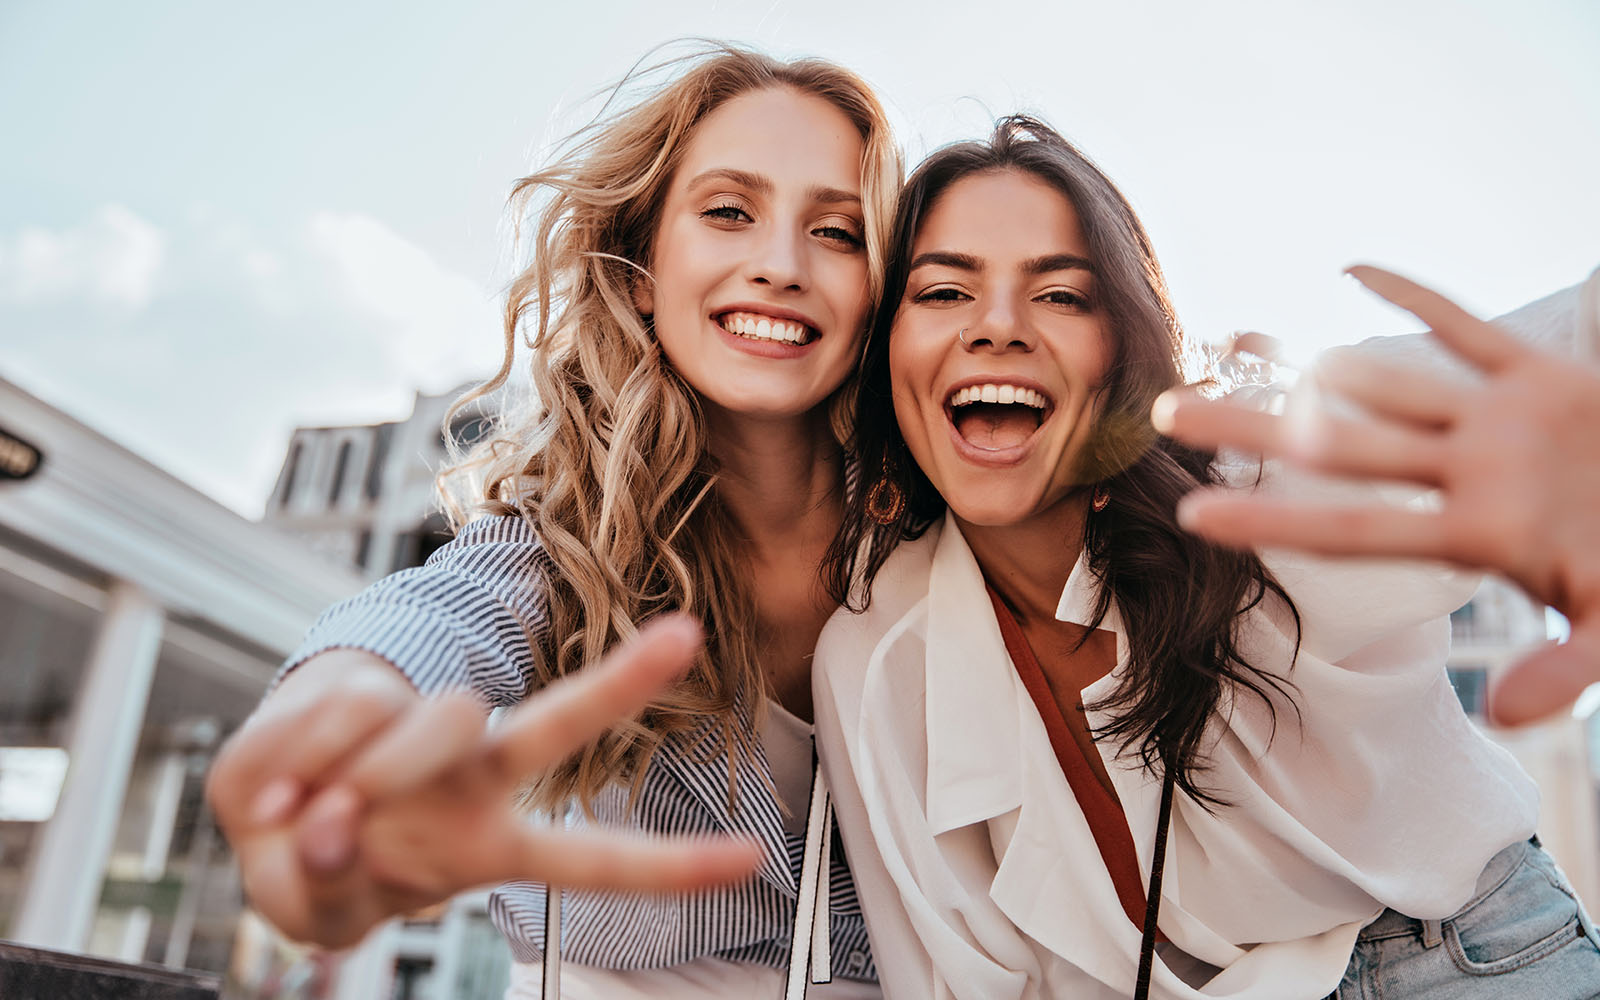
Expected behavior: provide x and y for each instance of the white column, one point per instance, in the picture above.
(166, 793)
(69, 862)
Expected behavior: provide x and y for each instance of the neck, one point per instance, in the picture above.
(781, 480)
(1028, 563)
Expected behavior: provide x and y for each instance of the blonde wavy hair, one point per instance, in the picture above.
(608, 461)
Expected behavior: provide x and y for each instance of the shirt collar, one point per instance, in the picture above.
(974, 771)
(1078, 598)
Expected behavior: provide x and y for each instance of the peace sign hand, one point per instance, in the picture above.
(425, 809)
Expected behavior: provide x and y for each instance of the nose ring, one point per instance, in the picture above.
(962, 336)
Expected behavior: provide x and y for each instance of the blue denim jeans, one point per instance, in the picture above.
(1522, 935)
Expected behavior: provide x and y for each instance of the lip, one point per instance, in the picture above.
(1003, 457)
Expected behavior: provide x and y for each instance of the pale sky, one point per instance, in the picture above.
(219, 221)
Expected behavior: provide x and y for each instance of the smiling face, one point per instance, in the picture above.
(998, 424)
(760, 294)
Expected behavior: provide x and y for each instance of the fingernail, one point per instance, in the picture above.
(680, 627)
(275, 802)
(1186, 512)
(1162, 410)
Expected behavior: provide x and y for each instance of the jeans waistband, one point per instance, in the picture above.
(1392, 923)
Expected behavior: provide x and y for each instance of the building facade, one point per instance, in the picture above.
(1488, 635)
(139, 623)
(365, 496)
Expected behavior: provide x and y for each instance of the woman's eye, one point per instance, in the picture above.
(1066, 297)
(838, 234)
(945, 294)
(726, 213)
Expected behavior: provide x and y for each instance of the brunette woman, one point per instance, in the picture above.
(1078, 752)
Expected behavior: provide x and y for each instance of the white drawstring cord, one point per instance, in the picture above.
(810, 948)
(821, 945)
(551, 988)
(810, 951)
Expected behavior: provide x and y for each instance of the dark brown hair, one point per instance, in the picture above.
(1179, 597)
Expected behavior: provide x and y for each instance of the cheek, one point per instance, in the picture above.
(913, 408)
(847, 292)
(675, 294)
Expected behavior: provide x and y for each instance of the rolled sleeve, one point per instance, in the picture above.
(474, 616)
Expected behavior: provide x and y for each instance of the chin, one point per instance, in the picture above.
(987, 511)
(765, 405)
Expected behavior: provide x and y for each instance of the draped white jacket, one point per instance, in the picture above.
(977, 871)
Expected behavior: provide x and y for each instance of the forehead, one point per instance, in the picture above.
(1002, 216)
(780, 133)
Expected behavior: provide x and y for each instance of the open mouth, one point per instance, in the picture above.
(756, 326)
(996, 416)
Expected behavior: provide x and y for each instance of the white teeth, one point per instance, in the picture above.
(758, 327)
(994, 392)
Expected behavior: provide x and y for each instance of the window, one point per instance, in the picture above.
(1472, 687)
(379, 451)
(413, 978)
(468, 430)
(289, 469)
(415, 546)
(340, 464)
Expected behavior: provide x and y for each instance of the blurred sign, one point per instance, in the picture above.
(30, 782)
(18, 458)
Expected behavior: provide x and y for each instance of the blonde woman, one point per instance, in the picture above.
(703, 267)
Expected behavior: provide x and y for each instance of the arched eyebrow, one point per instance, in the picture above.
(946, 258)
(762, 185)
(1057, 262)
(1038, 265)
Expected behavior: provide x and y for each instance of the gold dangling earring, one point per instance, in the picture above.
(1102, 499)
(886, 501)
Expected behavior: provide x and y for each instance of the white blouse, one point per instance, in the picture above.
(978, 872)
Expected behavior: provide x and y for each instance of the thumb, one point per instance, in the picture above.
(1548, 679)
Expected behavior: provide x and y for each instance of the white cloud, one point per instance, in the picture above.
(115, 258)
(427, 313)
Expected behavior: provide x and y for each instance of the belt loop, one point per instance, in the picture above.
(1432, 933)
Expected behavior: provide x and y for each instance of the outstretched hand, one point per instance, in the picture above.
(422, 807)
(1514, 455)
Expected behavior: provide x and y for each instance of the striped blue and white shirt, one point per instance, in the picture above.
(472, 616)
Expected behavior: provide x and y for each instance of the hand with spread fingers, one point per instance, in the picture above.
(1513, 453)
(411, 800)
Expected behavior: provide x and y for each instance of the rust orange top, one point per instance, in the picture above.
(1085, 771)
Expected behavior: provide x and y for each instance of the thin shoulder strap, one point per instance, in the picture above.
(810, 957)
(551, 987)
(1152, 903)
